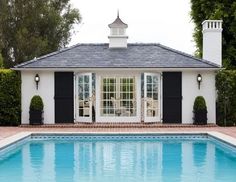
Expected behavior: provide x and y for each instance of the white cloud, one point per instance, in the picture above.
(157, 21)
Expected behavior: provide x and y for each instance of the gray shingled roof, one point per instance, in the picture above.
(100, 56)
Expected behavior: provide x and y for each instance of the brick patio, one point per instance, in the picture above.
(9, 131)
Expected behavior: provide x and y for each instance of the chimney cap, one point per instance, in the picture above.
(212, 25)
(205, 21)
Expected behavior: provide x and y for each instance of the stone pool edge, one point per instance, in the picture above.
(4, 143)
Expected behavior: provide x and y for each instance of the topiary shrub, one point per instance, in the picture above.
(36, 110)
(36, 103)
(200, 111)
(10, 101)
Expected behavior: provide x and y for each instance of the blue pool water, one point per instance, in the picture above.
(119, 159)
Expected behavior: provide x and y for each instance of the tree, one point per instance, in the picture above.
(218, 9)
(33, 28)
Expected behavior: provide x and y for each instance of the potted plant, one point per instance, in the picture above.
(200, 111)
(36, 110)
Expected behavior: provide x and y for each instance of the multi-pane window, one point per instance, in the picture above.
(118, 96)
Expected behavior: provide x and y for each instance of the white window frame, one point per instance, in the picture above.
(158, 117)
(76, 107)
(99, 117)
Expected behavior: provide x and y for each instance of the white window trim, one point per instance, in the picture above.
(158, 117)
(136, 118)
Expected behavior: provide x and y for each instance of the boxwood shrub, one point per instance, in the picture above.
(36, 103)
(200, 110)
(199, 103)
(10, 102)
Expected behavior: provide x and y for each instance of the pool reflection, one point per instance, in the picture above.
(119, 161)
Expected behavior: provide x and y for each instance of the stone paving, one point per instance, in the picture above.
(9, 131)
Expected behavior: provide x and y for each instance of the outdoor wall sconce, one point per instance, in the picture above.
(37, 79)
(199, 80)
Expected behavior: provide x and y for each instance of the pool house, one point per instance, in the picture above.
(123, 82)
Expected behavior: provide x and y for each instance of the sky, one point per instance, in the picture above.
(166, 22)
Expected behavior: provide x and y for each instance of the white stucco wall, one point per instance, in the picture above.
(212, 46)
(45, 90)
(190, 91)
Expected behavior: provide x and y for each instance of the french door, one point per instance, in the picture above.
(84, 97)
(151, 97)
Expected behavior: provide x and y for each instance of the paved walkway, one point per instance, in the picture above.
(9, 131)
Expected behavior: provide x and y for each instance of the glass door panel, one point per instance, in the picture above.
(151, 97)
(118, 97)
(84, 109)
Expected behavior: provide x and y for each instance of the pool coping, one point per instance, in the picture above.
(4, 143)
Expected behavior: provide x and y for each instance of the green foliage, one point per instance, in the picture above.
(226, 101)
(199, 104)
(218, 9)
(36, 103)
(31, 28)
(10, 111)
(1, 61)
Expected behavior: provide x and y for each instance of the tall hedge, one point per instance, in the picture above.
(226, 101)
(10, 111)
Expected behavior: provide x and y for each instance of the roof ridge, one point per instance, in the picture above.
(187, 55)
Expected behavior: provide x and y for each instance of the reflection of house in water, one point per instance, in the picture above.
(106, 160)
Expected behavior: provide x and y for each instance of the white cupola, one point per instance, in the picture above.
(212, 41)
(118, 37)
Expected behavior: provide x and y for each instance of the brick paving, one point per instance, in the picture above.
(9, 131)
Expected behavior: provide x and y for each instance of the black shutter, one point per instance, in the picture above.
(64, 97)
(172, 97)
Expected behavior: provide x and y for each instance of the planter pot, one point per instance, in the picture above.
(200, 117)
(36, 117)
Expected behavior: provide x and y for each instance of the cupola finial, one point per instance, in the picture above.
(118, 13)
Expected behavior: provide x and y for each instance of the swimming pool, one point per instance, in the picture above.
(118, 158)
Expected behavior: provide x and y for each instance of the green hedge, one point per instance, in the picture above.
(226, 101)
(10, 111)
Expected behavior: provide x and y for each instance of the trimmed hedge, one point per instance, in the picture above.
(36, 103)
(226, 101)
(199, 104)
(10, 112)
(200, 110)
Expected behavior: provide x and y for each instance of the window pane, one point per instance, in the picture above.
(155, 80)
(149, 79)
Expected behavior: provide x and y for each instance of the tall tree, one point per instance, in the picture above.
(217, 9)
(31, 28)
